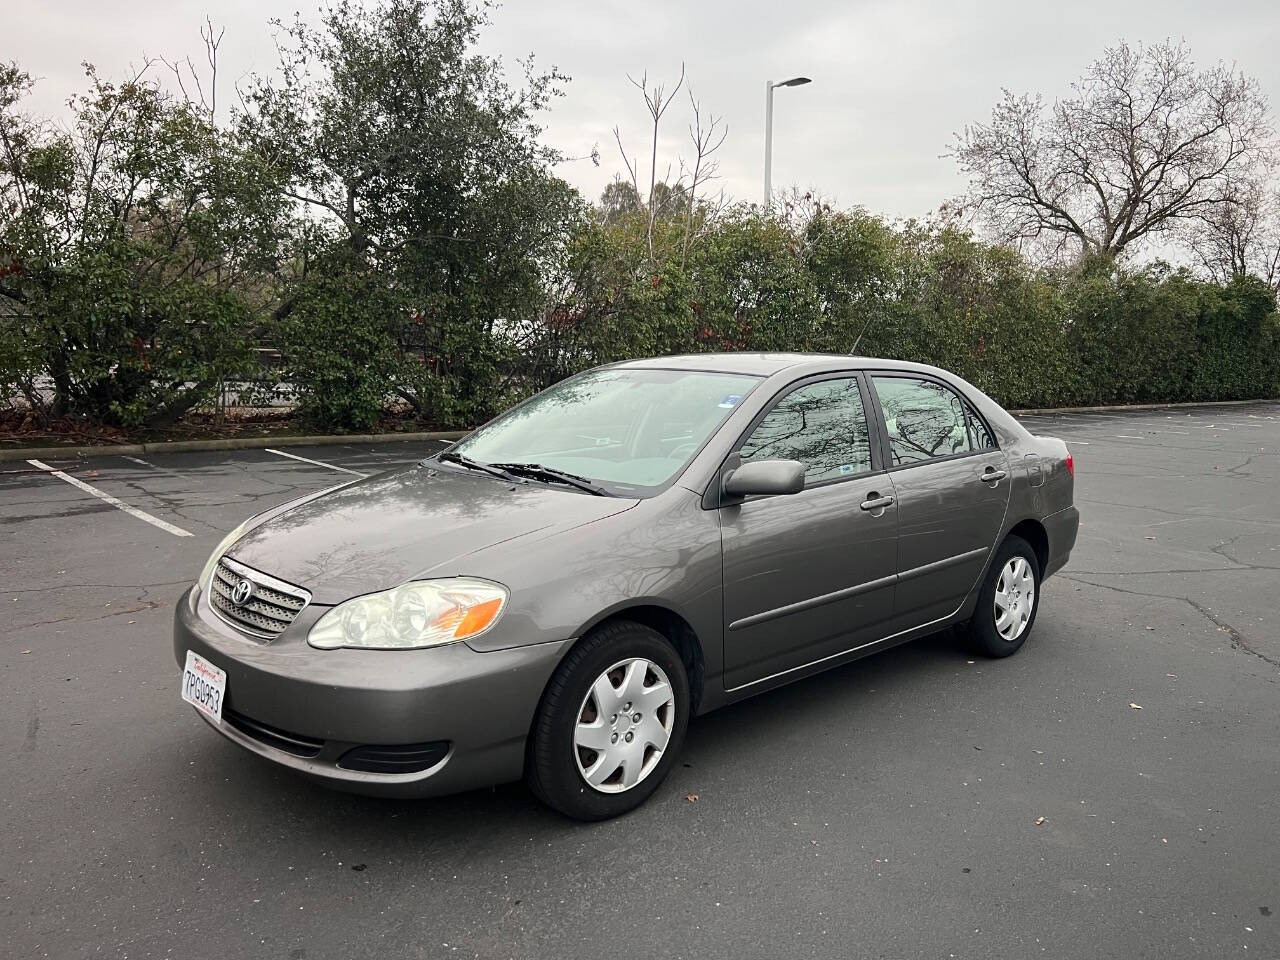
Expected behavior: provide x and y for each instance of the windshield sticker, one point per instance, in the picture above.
(731, 401)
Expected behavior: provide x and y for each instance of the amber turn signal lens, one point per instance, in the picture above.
(478, 618)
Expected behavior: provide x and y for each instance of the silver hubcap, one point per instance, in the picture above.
(1015, 598)
(624, 725)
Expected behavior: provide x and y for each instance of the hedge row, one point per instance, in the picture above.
(1029, 337)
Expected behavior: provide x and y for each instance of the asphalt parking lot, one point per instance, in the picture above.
(1109, 792)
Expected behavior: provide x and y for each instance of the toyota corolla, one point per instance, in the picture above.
(556, 595)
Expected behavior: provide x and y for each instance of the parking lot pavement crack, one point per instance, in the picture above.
(1181, 515)
(1237, 470)
(1156, 573)
(1221, 550)
(33, 727)
(145, 588)
(260, 477)
(42, 623)
(1238, 640)
(118, 612)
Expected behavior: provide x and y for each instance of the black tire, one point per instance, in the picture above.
(551, 766)
(983, 635)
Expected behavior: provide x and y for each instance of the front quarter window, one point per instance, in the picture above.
(822, 425)
(630, 430)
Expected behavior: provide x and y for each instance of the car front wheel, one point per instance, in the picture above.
(1008, 600)
(610, 724)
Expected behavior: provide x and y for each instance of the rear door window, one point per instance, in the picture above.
(925, 420)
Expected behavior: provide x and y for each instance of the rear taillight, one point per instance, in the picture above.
(1071, 464)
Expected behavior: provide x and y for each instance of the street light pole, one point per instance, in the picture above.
(768, 131)
(768, 141)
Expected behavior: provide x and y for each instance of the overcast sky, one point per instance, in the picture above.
(892, 81)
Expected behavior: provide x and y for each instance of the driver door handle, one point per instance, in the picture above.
(992, 475)
(877, 503)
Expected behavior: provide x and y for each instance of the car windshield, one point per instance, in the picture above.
(625, 429)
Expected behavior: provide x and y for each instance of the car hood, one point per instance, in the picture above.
(379, 532)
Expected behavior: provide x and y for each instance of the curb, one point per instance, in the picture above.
(1138, 406)
(224, 443)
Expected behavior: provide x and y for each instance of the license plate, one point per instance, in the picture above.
(204, 686)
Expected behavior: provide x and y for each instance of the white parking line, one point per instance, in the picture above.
(318, 463)
(132, 511)
(1125, 436)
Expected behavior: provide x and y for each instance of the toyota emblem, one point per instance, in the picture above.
(242, 593)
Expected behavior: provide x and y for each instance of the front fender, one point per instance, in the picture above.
(663, 553)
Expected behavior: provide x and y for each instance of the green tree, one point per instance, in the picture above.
(415, 155)
(751, 286)
(139, 245)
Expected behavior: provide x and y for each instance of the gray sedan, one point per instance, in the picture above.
(556, 595)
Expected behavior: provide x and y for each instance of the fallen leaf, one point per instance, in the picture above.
(1164, 839)
(1040, 821)
(135, 621)
(1135, 706)
(692, 797)
(26, 651)
(1148, 538)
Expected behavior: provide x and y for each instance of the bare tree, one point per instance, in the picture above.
(1242, 235)
(1145, 143)
(656, 100)
(185, 71)
(707, 140)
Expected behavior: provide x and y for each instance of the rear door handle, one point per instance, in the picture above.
(877, 503)
(992, 475)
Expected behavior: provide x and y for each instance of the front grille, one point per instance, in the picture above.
(271, 606)
(407, 758)
(294, 743)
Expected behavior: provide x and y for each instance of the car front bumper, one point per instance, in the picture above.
(305, 708)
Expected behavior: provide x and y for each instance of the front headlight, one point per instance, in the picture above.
(424, 613)
(218, 551)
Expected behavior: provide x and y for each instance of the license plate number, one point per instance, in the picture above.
(204, 686)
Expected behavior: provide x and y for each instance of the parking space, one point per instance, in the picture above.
(80, 528)
(1110, 791)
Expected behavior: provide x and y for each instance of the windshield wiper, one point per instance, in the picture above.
(551, 474)
(492, 469)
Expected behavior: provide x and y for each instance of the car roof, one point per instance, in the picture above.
(767, 364)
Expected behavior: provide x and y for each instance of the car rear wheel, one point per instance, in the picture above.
(1008, 601)
(610, 724)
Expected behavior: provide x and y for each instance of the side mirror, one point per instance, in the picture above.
(762, 478)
